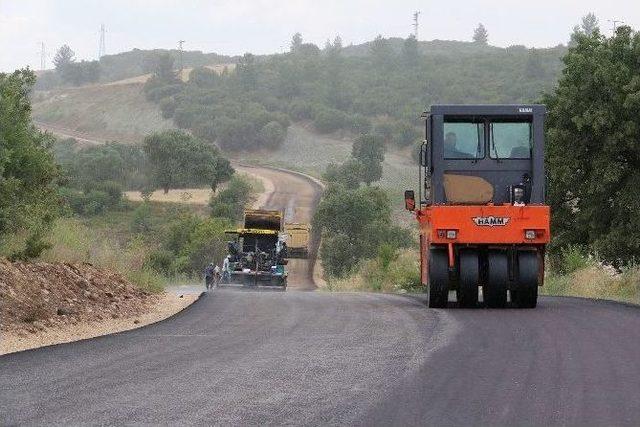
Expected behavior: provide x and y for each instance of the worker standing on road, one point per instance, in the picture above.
(208, 276)
(226, 275)
(216, 275)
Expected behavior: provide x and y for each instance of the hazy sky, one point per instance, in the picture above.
(266, 26)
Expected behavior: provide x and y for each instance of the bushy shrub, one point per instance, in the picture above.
(272, 135)
(329, 120)
(203, 77)
(359, 124)
(230, 202)
(141, 221)
(162, 261)
(207, 243)
(161, 92)
(301, 110)
(112, 189)
(186, 116)
(168, 107)
(404, 133)
(95, 202)
(206, 132)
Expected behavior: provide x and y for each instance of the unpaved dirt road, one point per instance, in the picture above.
(244, 358)
(297, 196)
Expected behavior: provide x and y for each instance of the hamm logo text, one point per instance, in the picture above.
(491, 221)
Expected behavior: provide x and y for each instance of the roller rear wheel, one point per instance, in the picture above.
(438, 278)
(468, 279)
(525, 294)
(495, 290)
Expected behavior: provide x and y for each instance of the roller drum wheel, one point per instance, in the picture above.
(525, 292)
(495, 290)
(469, 273)
(438, 278)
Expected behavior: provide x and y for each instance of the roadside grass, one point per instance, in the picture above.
(390, 272)
(109, 241)
(73, 241)
(576, 273)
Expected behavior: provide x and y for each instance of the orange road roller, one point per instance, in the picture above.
(481, 206)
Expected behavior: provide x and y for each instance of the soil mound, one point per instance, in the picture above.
(36, 296)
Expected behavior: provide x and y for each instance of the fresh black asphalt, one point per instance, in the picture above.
(247, 357)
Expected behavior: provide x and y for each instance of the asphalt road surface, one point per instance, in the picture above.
(248, 357)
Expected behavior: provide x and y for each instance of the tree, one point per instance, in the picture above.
(481, 35)
(337, 43)
(230, 202)
(222, 172)
(593, 155)
(354, 222)
(589, 24)
(348, 174)
(163, 69)
(410, 52)
(533, 67)
(587, 27)
(63, 58)
(203, 77)
(176, 160)
(369, 151)
(381, 51)
(272, 135)
(296, 42)
(108, 162)
(28, 173)
(246, 71)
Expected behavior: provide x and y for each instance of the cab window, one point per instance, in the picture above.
(510, 140)
(463, 140)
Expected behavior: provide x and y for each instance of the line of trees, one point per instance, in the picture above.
(380, 90)
(95, 177)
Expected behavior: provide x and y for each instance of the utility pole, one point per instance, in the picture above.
(415, 24)
(180, 43)
(43, 57)
(615, 23)
(101, 46)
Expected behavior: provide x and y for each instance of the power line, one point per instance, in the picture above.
(415, 23)
(102, 50)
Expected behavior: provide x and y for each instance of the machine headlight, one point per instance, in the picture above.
(530, 234)
(452, 234)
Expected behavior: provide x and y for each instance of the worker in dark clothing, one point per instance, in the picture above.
(451, 150)
(209, 273)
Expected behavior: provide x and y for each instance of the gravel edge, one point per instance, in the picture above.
(168, 305)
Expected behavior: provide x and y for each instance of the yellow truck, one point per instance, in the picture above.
(297, 239)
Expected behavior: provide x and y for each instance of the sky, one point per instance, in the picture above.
(265, 26)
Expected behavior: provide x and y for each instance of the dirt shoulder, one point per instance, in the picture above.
(51, 303)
